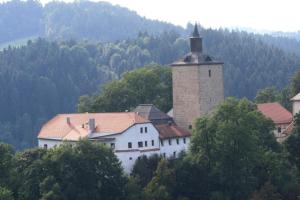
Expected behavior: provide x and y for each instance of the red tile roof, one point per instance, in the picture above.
(108, 123)
(277, 113)
(171, 131)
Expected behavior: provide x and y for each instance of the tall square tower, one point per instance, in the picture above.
(197, 84)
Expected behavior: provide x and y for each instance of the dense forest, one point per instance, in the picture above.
(226, 161)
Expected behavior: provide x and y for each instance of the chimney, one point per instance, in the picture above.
(92, 125)
(68, 120)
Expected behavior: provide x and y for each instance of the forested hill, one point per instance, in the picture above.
(80, 20)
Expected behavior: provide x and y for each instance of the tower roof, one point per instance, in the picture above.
(196, 56)
(196, 32)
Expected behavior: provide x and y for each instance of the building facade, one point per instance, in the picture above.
(128, 134)
(197, 84)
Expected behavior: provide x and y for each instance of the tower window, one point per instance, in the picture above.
(152, 142)
(141, 130)
(184, 141)
(146, 143)
(177, 140)
(209, 72)
(146, 129)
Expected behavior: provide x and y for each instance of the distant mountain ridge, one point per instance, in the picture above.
(97, 21)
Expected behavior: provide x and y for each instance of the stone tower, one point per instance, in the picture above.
(197, 84)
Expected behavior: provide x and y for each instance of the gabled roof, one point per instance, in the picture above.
(106, 123)
(296, 98)
(152, 113)
(277, 113)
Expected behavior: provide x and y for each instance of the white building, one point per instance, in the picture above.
(296, 104)
(129, 134)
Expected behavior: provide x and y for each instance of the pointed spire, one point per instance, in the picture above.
(196, 32)
(196, 41)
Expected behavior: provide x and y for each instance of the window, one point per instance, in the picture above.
(152, 142)
(112, 145)
(170, 142)
(146, 129)
(162, 143)
(177, 140)
(146, 143)
(279, 129)
(164, 155)
(140, 144)
(130, 158)
(129, 145)
(209, 73)
(184, 141)
(174, 154)
(190, 126)
(45, 146)
(141, 130)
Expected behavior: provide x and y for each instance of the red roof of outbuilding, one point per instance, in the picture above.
(171, 131)
(276, 112)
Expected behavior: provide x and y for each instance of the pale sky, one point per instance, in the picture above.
(271, 15)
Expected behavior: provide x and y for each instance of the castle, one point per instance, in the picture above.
(197, 89)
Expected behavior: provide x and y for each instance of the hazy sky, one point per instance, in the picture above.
(275, 15)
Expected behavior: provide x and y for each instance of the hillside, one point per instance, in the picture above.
(99, 21)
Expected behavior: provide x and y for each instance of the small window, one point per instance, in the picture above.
(279, 129)
(152, 142)
(174, 154)
(140, 144)
(146, 143)
(45, 146)
(170, 142)
(162, 143)
(129, 145)
(112, 145)
(190, 127)
(146, 129)
(184, 140)
(209, 73)
(141, 130)
(164, 155)
(130, 158)
(177, 140)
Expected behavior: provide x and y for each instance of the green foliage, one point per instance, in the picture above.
(231, 147)
(145, 85)
(81, 171)
(144, 169)
(269, 94)
(293, 142)
(162, 184)
(5, 194)
(267, 192)
(6, 166)
(295, 85)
